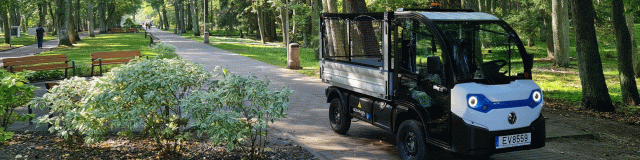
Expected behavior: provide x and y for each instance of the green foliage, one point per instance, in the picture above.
(4, 135)
(129, 22)
(161, 96)
(74, 117)
(237, 111)
(164, 50)
(274, 55)
(14, 93)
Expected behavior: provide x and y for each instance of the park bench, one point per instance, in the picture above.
(118, 57)
(115, 30)
(152, 39)
(132, 30)
(39, 63)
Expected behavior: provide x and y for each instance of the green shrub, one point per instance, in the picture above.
(14, 93)
(161, 96)
(164, 50)
(237, 111)
(73, 116)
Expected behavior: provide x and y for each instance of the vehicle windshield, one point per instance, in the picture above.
(483, 52)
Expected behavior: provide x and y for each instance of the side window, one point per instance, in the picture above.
(421, 52)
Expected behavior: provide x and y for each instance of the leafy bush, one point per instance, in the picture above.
(14, 93)
(161, 96)
(164, 50)
(129, 22)
(68, 101)
(237, 111)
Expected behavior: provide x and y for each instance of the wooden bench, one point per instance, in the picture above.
(152, 39)
(132, 30)
(39, 63)
(118, 57)
(115, 30)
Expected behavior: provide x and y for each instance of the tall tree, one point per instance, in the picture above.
(363, 31)
(595, 94)
(333, 29)
(177, 14)
(164, 14)
(91, 19)
(42, 12)
(4, 14)
(560, 27)
(284, 19)
(103, 18)
(194, 14)
(62, 13)
(623, 47)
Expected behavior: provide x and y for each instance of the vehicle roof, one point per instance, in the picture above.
(459, 16)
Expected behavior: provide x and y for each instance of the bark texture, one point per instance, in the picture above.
(595, 94)
(560, 27)
(625, 61)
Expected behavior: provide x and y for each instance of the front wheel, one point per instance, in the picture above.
(339, 116)
(410, 139)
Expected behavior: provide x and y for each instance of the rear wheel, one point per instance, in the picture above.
(339, 116)
(410, 139)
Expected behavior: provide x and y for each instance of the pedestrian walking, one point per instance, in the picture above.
(40, 33)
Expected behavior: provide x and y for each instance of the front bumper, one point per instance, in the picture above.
(472, 140)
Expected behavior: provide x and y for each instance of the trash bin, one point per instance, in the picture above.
(293, 56)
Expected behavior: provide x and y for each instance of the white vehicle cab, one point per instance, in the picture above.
(456, 79)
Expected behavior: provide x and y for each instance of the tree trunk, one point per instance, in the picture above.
(15, 15)
(284, 19)
(560, 26)
(54, 26)
(42, 12)
(62, 12)
(367, 41)
(548, 38)
(188, 16)
(205, 12)
(595, 94)
(103, 18)
(182, 24)
(91, 19)
(194, 13)
(76, 24)
(334, 31)
(5, 23)
(261, 19)
(623, 47)
(166, 19)
(634, 44)
(176, 7)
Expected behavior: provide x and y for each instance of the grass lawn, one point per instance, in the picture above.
(26, 39)
(81, 52)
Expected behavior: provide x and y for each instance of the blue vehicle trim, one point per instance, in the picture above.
(484, 101)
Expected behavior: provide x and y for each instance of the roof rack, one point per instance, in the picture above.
(435, 10)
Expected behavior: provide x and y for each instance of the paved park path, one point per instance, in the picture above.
(308, 120)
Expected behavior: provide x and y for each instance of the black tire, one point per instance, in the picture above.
(410, 139)
(339, 116)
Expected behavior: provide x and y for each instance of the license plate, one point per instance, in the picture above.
(513, 140)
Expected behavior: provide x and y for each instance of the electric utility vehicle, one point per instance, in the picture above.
(456, 79)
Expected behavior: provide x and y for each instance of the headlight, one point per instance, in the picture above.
(473, 101)
(537, 96)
